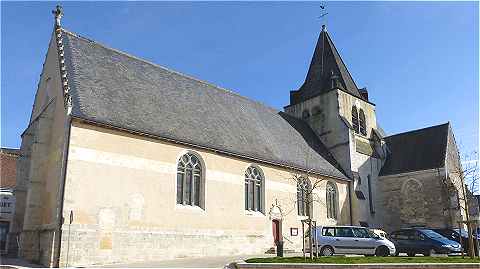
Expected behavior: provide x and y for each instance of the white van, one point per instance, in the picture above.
(351, 240)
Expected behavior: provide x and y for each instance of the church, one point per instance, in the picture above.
(125, 160)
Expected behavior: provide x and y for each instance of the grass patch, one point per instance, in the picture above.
(359, 260)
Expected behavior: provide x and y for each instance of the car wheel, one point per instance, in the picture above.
(411, 253)
(381, 251)
(327, 251)
(396, 253)
(429, 252)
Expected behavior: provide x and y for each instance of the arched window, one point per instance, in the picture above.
(253, 189)
(363, 123)
(355, 119)
(189, 180)
(304, 196)
(305, 114)
(331, 200)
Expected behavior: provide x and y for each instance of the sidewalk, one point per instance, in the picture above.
(6, 262)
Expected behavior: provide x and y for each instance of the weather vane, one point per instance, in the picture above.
(323, 9)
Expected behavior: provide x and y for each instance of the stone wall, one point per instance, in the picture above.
(414, 199)
(39, 168)
(121, 190)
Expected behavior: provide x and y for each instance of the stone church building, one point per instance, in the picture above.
(125, 160)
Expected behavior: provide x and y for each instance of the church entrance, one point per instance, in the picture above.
(277, 230)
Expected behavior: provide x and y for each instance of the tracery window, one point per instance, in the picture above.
(303, 196)
(189, 180)
(253, 189)
(331, 200)
(363, 123)
(355, 119)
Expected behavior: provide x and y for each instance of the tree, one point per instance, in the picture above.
(463, 174)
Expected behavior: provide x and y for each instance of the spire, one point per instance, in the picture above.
(326, 64)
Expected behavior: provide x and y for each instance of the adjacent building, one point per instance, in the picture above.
(8, 161)
(124, 160)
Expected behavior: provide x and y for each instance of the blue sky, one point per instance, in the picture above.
(419, 60)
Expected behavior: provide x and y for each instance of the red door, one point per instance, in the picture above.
(277, 234)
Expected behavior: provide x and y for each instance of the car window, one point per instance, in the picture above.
(362, 233)
(404, 235)
(344, 232)
(431, 234)
(328, 231)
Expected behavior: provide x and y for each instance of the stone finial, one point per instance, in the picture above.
(324, 28)
(58, 13)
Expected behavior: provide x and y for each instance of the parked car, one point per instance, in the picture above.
(351, 240)
(422, 241)
(459, 236)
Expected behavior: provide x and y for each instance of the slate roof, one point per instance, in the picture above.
(119, 90)
(416, 150)
(325, 60)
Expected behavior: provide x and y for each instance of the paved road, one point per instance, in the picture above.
(204, 262)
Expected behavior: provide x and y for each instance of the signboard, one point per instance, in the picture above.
(7, 205)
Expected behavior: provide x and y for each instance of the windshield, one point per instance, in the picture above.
(433, 235)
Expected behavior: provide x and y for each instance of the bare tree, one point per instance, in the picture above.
(463, 173)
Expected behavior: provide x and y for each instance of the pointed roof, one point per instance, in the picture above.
(416, 150)
(114, 89)
(327, 70)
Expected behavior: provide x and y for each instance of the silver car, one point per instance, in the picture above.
(351, 240)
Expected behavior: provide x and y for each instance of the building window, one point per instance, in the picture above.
(370, 197)
(253, 189)
(189, 180)
(355, 119)
(363, 123)
(305, 115)
(331, 200)
(303, 196)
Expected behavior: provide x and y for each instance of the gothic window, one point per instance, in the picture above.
(355, 119)
(189, 180)
(363, 123)
(253, 189)
(331, 200)
(305, 114)
(303, 196)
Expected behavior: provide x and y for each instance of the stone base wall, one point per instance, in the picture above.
(37, 246)
(94, 247)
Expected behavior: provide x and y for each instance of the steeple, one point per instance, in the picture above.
(326, 65)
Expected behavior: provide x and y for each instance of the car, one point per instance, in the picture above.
(422, 241)
(457, 235)
(351, 240)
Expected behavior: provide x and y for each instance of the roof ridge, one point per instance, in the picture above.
(420, 129)
(169, 70)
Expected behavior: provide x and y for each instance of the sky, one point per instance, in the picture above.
(419, 60)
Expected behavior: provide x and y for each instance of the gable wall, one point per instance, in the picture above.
(455, 179)
(39, 167)
(121, 189)
(415, 199)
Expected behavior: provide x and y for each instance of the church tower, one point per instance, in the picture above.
(344, 119)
